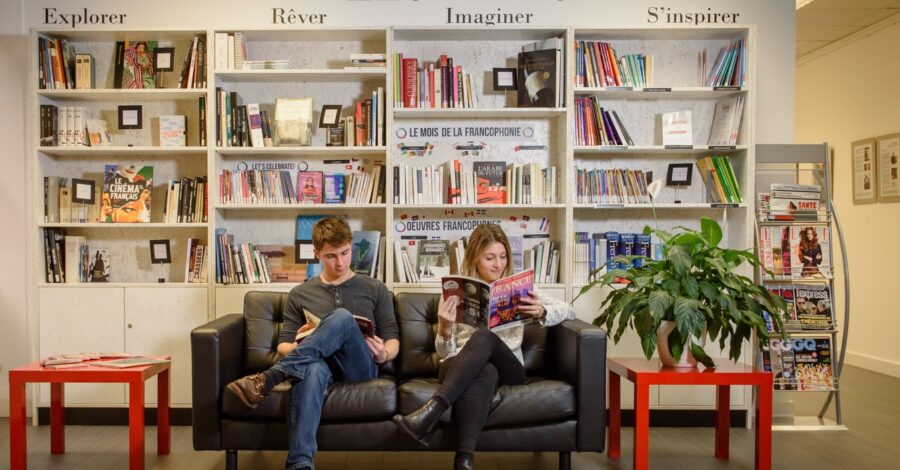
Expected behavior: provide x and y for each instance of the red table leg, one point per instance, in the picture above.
(641, 425)
(18, 451)
(57, 418)
(764, 424)
(163, 437)
(614, 440)
(723, 419)
(136, 424)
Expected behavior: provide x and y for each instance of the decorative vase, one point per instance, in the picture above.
(662, 347)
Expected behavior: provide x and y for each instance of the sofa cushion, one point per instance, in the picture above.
(263, 314)
(345, 401)
(538, 401)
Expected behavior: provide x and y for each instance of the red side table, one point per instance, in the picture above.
(644, 373)
(133, 376)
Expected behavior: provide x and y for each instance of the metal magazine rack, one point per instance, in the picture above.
(799, 365)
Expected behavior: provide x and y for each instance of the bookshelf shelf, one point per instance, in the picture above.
(655, 150)
(301, 151)
(661, 93)
(304, 207)
(436, 286)
(119, 285)
(302, 75)
(118, 226)
(157, 94)
(119, 150)
(666, 206)
(408, 207)
(479, 113)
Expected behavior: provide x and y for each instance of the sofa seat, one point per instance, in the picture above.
(538, 401)
(371, 400)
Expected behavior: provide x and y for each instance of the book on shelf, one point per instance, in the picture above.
(335, 188)
(56, 64)
(309, 187)
(611, 186)
(489, 305)
(364, 252)
(438, 84)
(195, 262)
(367, 61)
(490, 185)
(596, 125)
(303, 237)
(720, 179)
(366, 326)
(803, 363)
(239, 263)
(281, 263)
(598, 65)
(254, 122)
(270, 64)
(134, 65)
(677, 128)
(99, 266)
(554, 44)
(432, 260)
(127, 362)
(171, 131)
(193, 68)
(84, 72)
(126, 193)
(539, 79)
(98, 133)
(730, 67)
(186, 201)
(726, 121)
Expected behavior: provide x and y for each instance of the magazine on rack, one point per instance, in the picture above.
(489, 305)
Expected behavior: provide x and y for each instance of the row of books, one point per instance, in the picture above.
(597, 65)
(610, 186)
(362, 185)
(231, 50)
(597, 126)
(57, 68)
(720, 180)
(69, 259)
(186, 201)
(240, 125)
(71, 126)
(594, 250)
(802, 363)
(807, 307)
(193, 69)
(789, 202)
(367, 61)
(490, 182)
(195, 270)
(422, 260)
(726, 121)
(60, 207)
(795, 252)
(730, 68)
(239, 263)
(438, 84)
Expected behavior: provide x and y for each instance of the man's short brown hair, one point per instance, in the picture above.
(331, 230)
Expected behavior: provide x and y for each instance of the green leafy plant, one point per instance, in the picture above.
(696, 286)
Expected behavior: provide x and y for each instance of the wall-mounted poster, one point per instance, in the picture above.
(888, 167)
(862, 153)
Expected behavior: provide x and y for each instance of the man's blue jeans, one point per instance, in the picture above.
(335, 351)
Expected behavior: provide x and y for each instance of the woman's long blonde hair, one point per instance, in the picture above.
(481, 238)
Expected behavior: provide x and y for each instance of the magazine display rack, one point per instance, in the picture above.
(811, 358)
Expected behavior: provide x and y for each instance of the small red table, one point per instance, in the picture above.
(133, 376)
(644, 373)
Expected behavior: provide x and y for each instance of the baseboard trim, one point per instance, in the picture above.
(874, 364)
(182, 417)
(113, 416)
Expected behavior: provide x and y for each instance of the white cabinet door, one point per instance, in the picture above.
(78, 320)
(159, 321)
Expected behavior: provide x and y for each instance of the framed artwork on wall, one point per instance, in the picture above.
(862, 159)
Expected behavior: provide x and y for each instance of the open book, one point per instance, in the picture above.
(489, 305)
(366, 326)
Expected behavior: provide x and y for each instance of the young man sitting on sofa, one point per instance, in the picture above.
(336, 350)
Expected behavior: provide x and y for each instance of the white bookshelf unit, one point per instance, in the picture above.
(134, 313)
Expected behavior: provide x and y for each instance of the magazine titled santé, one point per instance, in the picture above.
(489, 305)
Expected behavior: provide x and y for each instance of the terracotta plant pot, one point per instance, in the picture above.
(662, 347)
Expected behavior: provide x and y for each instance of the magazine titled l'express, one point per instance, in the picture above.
(489, 305)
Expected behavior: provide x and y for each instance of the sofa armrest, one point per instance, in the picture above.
(216, 361)
(579, 352)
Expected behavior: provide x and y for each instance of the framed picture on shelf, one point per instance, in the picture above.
(888, 167)
(130, 116)
(163, 59)
(505, 79)
(330, 116)
(862, 159)
(679, 174)
(83, 191)
(160, 252)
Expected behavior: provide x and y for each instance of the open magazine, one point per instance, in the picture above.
(489, 305)
(366, 326)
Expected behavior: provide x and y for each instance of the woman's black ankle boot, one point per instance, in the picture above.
(420, 423)
(464, 461)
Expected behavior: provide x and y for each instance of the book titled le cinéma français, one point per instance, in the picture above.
(489, 305)
(126, 193)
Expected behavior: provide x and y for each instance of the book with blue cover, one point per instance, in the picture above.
(304, 244)
(335, 188)
(364, 255)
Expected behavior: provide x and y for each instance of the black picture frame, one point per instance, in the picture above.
(505, 79)
(679, 174)
(303, 252)
(160, 252)
(164, 59)
(330, 116)
(131, 116)
(83, 191)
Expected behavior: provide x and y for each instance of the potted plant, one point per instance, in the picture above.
(695, 287)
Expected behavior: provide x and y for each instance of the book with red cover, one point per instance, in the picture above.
(490, 186)
(309, 187)
(410, 85)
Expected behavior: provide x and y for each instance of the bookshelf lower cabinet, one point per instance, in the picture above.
(138, 320)
(230, 299)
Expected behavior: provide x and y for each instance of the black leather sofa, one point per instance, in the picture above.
(560, 409)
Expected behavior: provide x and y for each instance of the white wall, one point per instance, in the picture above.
(849, 92)
(775, 21)
(14, 344)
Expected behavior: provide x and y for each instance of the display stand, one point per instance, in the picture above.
(807, 164)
